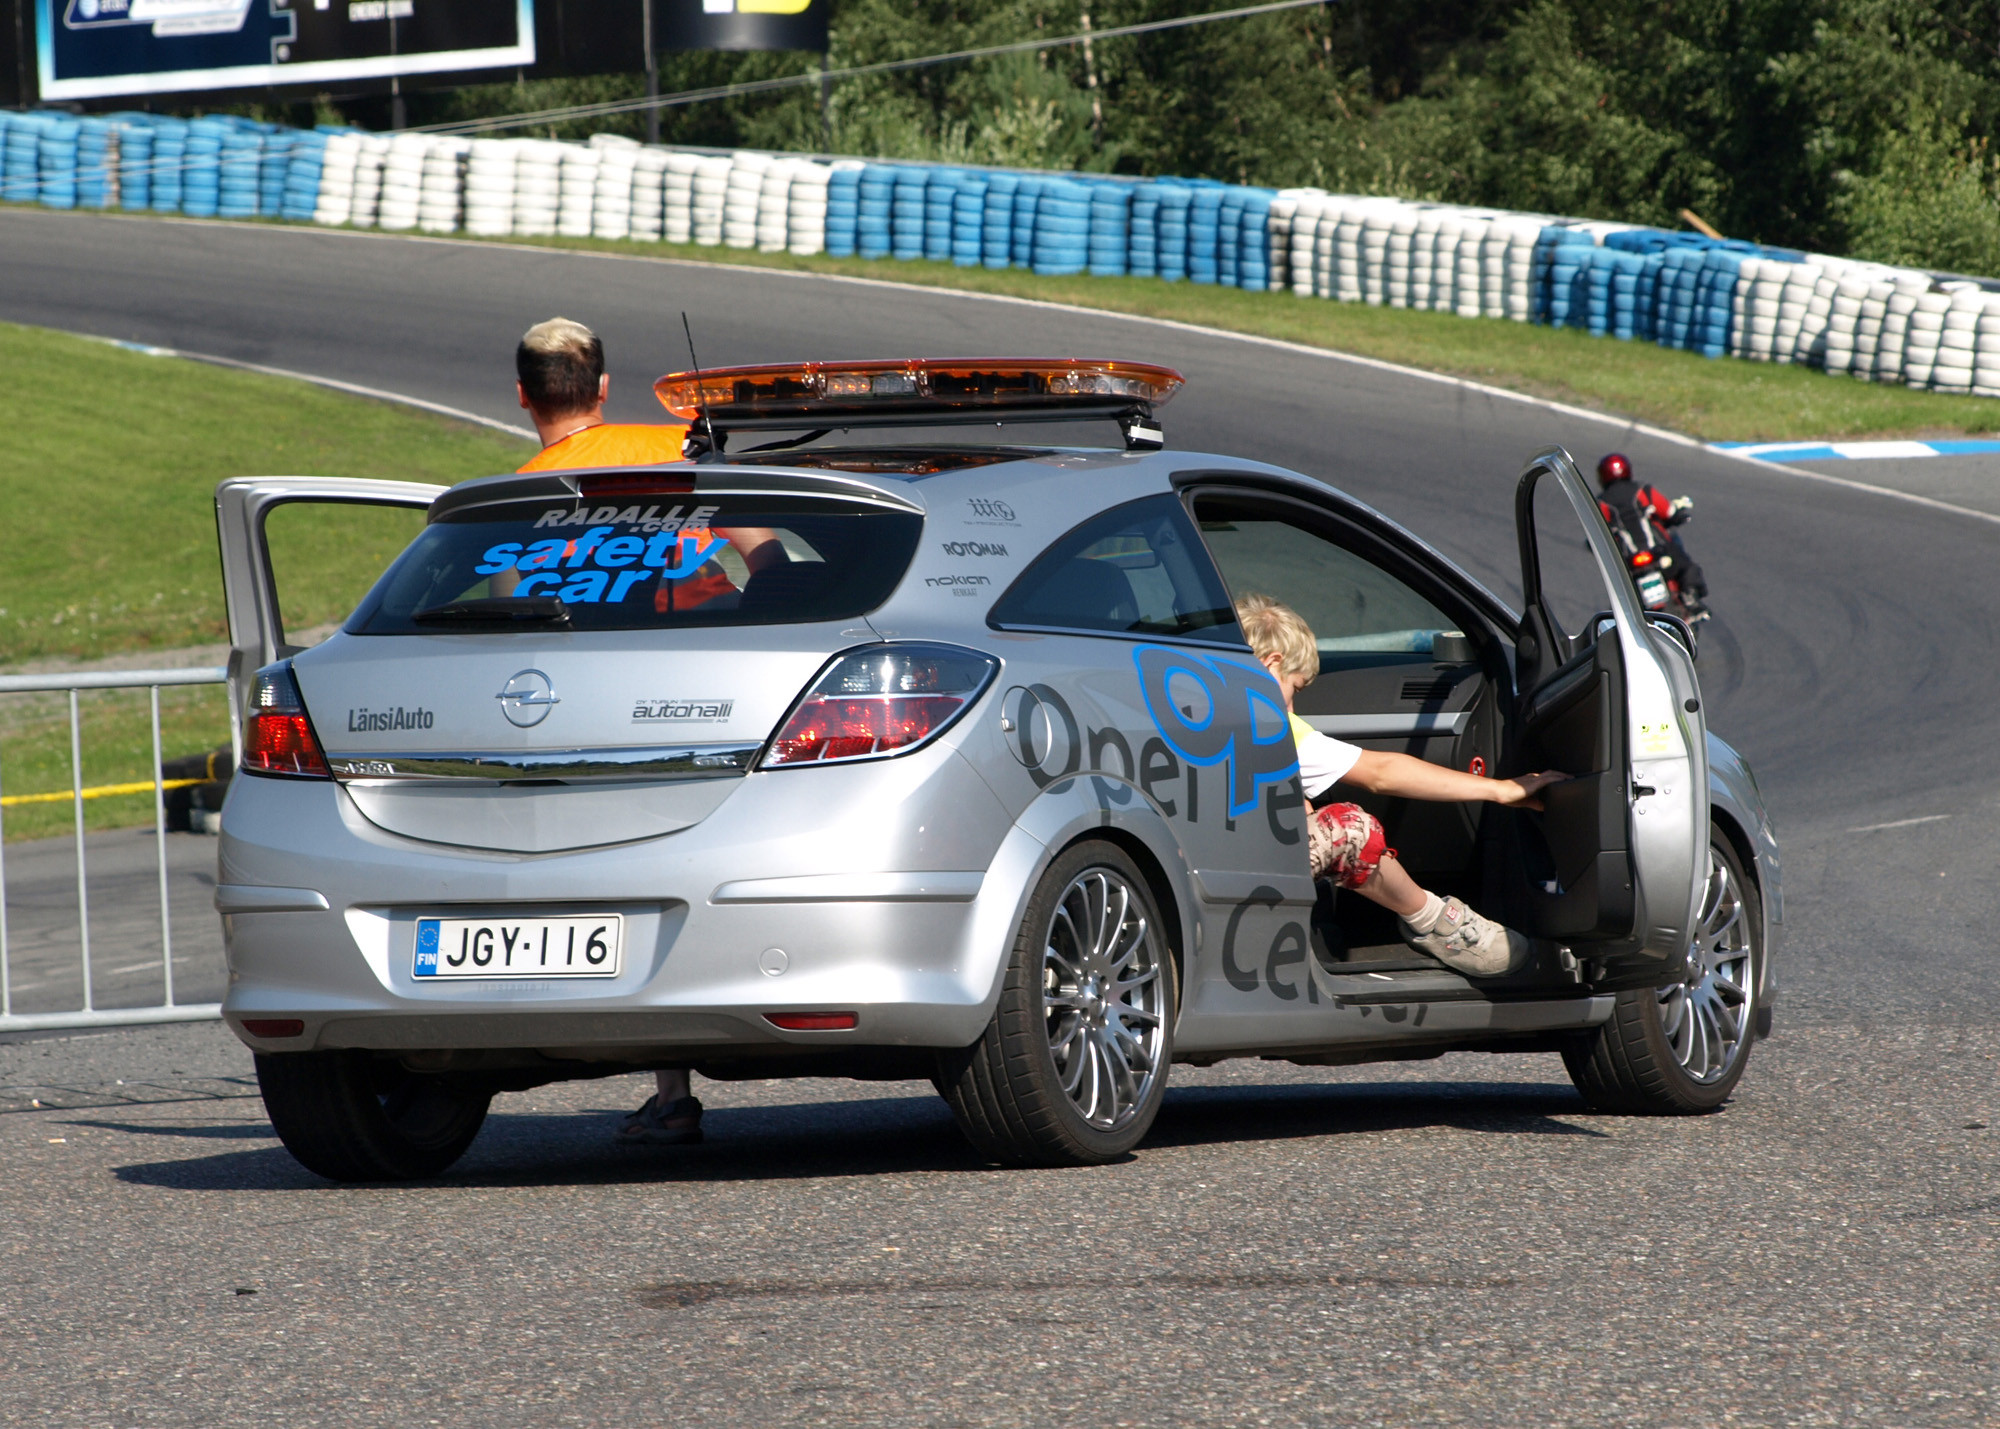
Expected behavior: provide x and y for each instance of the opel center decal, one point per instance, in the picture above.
(527, 698)
(1207, 707)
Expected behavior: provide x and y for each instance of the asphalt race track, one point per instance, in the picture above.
(1447, 1242)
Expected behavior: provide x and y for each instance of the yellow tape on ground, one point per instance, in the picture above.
(101, 791)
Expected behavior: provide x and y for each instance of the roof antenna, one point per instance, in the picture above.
(704, 443)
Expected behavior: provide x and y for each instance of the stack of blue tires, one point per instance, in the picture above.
(1631, 312)
(93, 163)
(1170, 239)
(135, 164)
(996, 237)
(239, 177)
(843, 211)
(875, 197)
(298, 195)
(170, 158)
(1228, 237)
(1253, 249)
(1027, 203)
(1110, 229)
(20, 157)
(1714, 322)
(968, 221)
(273, 164)
(57, 160)
(1062, 228)
(1559, 255)
(1204, 238)
(201, 169)
(940, 213)
(1674, 295)
(907, 213)
(1142, 252)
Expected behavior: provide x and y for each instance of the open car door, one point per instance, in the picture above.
(1610, 698)
(318, 541)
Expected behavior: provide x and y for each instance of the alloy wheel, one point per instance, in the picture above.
(1706, 1015)
(1103, 998)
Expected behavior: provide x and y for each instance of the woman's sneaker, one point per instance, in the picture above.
(1468, 943)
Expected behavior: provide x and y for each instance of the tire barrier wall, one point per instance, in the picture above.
(1712, 296)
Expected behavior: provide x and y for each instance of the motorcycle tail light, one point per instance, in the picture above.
(278, 735)
(1642, 558)
(880, 701)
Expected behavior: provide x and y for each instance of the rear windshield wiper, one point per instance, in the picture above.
(513, 610)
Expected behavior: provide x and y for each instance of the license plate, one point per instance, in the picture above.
(520, 947)
(1653, 589)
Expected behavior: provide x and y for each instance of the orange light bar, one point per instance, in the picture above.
(831, 389)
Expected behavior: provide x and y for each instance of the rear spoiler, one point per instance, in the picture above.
(623, 484)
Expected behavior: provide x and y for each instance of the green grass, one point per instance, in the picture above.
(108, 488)
(114, 457)
(117, 749)
(1719, 399)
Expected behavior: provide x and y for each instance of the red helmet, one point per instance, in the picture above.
(1614, 468)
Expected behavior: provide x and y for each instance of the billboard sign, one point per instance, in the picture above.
(95, 49)
(741, 24)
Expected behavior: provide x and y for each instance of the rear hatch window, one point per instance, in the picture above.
(665, 563)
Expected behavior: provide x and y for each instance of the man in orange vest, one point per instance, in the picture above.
(561, 381)
(560, 378)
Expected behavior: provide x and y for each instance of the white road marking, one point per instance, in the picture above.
(1898, 824)
(377, 393)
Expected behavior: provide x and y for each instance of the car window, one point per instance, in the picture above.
(1137, 569)
(642, 566)
(1352, 604)
(315, 550)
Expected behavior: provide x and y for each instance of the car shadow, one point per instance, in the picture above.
(878, 1136)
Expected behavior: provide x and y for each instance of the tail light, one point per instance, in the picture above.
(814, 1021)
(278, 736)
(880, 701)
(1642, 558)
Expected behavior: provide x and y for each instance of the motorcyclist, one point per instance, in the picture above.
(1628, 504)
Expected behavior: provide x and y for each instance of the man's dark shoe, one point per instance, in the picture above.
(675, 1124)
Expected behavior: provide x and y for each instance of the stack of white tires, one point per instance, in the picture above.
(537, 188)
(649, 173)
(489, 187)
(743, 195)
(336, 180)
(441, 201)
(618, 161)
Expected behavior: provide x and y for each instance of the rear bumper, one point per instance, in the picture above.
(707, 951)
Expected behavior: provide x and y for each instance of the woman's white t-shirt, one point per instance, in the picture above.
(1323, 760)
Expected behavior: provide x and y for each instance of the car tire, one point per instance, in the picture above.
(351, 1117)
(1680, 1049)
(1072, 1069)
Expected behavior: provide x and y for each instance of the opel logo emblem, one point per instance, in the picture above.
(526, 698)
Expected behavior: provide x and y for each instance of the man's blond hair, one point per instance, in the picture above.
(1274, 628)
(560, 363)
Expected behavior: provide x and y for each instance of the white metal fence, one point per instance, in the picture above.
(90, 1015)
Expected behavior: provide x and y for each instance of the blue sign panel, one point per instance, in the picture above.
(93, 49)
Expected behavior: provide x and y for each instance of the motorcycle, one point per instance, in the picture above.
(1653, 566)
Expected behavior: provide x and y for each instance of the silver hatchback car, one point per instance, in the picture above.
(916, 759)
